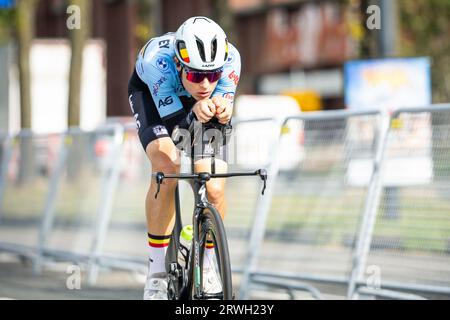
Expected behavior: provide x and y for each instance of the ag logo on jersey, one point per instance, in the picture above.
(163, 103)
(162, 64)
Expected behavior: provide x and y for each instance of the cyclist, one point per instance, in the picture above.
(181, 77)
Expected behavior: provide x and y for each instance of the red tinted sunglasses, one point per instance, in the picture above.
(198, 76)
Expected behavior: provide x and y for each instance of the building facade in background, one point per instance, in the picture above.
(113, 22)
(285, 45)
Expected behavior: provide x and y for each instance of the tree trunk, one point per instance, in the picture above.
(25, 26)
(223, 15)
(78, 36)
(25, 18)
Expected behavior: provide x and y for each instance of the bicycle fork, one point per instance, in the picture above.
(201, 200)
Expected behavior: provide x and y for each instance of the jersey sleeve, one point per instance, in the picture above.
(158, 75)
(226, 87)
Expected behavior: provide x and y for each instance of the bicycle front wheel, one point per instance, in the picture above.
(215, 279)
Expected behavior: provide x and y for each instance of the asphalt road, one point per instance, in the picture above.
(17, 281)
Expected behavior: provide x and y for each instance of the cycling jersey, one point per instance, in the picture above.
(157, 97)
(156, 67)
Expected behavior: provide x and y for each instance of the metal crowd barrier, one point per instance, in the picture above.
(27, 163)
(5, 155)
(407, 241)
(332, 218)
(243, 194)
(305, 230)
(78, 203)
(125, 241)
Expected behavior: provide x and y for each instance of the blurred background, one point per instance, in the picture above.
(295, 46)
(78, 196)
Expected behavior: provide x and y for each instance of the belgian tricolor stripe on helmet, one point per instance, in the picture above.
(184, 55)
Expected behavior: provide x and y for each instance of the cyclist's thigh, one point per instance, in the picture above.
(153, 134)
(204, 165)
(163, 155)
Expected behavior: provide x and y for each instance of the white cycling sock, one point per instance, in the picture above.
(157, 254)
(210, 255)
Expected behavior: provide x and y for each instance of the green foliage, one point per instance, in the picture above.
(425, 30)
(7, 23)
(144, 29)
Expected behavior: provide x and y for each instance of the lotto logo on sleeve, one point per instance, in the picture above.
(233, 76)
(162, 64)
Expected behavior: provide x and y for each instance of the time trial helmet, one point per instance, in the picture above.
(201, 44)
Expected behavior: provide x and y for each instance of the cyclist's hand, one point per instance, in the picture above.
(204, 110)
(224, 110)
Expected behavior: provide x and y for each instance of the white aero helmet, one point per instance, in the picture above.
(201, 44)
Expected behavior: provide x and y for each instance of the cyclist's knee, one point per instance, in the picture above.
(162, 147)
(215, 191)
(164, 157)
(166, 166)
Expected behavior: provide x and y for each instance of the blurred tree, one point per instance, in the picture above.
(144, 28)
(425, 28)
(78, 35)
(354, 25)
(223, 15)
(25, 20)
(79, 32)
(369, 44)
(7, 24)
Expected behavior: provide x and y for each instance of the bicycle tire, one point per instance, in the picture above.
(211, 223)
